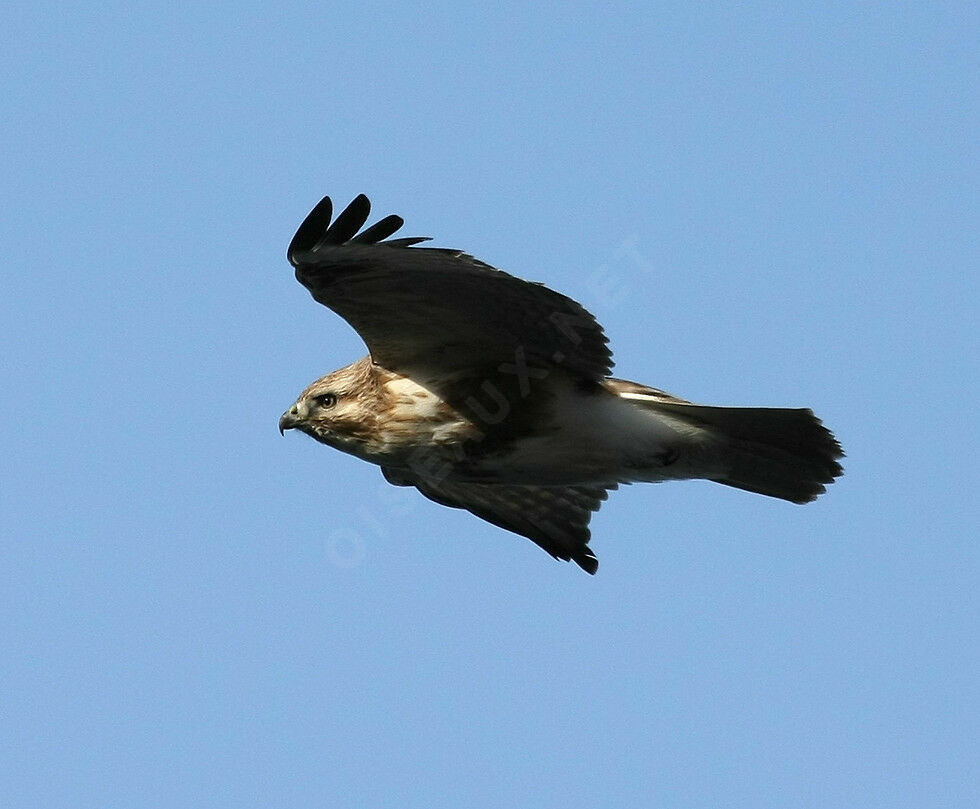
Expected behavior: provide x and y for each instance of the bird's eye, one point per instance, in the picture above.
(326, 400)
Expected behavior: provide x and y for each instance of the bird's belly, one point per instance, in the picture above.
(588, 439)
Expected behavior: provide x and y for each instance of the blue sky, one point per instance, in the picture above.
(764, 205)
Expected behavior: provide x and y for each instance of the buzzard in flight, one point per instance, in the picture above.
(490, 393)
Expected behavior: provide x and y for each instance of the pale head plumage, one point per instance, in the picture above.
(343, 409)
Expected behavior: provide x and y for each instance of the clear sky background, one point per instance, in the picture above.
(774, 204)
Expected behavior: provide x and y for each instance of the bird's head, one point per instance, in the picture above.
(339, 409)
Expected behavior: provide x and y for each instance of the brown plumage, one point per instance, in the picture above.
(490, 393)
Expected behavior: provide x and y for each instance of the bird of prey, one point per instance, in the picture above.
(493, 394)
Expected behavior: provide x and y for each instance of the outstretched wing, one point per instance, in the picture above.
(555, 518)
(436, 310)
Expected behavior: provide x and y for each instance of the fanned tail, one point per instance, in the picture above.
(778, 452)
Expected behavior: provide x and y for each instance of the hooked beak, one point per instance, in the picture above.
(288, 420)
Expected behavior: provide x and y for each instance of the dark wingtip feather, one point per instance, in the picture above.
(408, 241)
(380, 230)
(351, 220)
(308, 234)
(586, 560)
(317, 231)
